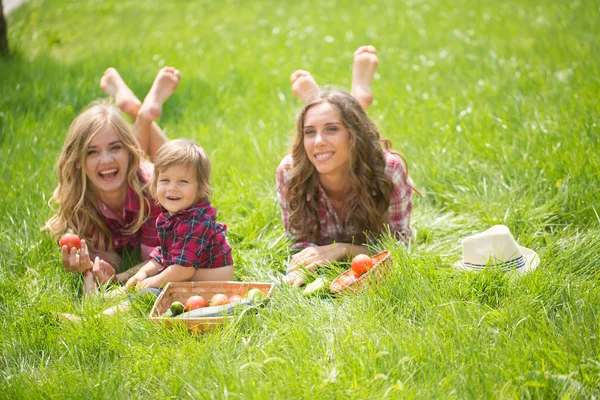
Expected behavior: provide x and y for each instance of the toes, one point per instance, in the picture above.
(365, 49)
(298, 74)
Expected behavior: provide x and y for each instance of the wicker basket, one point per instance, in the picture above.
(181, 291)
(382, 263)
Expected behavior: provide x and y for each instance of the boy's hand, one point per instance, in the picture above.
(136, 279)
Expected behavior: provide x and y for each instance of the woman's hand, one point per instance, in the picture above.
(74, 262)
(103, 271)
(311, 258)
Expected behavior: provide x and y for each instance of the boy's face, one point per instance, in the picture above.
(177, 188)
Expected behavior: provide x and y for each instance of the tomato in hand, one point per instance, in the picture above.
(219, 299)
(70, 240)
(361, 264)
(195, 302)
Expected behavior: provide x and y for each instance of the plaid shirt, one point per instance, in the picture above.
(146, 235)
(335, 230)
(192, 238)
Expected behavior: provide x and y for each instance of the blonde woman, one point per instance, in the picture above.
(341, 184)
(102, 173)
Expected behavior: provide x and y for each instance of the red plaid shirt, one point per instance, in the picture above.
(335, 230)
(192, 238)
(146, 237)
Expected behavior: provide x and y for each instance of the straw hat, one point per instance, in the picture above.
(496, 247)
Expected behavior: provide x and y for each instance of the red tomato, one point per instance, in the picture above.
(361, 264)
(219, 299)
(70, 240)
(195, 302)
(236, 298)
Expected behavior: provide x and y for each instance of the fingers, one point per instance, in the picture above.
(84, 256)
(107, 267)
(64, 252)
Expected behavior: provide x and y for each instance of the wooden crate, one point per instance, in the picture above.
(181, 291)
(382, 263)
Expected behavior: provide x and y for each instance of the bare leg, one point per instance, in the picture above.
(304, 85)
(113, 85)
(163, 87)
(365, 64)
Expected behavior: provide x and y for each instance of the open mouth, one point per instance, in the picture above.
(108, 173)
(171, 198)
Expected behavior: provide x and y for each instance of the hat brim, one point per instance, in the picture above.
(532, 260)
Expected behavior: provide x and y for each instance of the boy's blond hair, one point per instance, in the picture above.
(189, 154)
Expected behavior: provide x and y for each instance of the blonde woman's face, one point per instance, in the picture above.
(326, 140)
(107, 163)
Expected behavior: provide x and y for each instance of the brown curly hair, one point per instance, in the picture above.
(370, 188)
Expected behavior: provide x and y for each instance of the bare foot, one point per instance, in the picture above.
(69, 317)
(119, 309)
(163, 87)
(365, 64)
(304, 85)
(89, 283)
(113, 85)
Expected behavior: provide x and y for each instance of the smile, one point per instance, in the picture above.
(108, 173)
(323, 156)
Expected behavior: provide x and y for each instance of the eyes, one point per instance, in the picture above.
(328, 129)
(112, 149)
(167, 180)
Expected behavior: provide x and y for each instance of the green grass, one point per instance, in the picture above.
(494, 104)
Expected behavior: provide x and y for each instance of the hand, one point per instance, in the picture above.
(103, 271)
(135, 280)
(311, 258)
(74, 262)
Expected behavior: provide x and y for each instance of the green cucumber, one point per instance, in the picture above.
(215, 311)
(319, 285)
(167, 314)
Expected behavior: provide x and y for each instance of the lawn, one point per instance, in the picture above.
(494, 105)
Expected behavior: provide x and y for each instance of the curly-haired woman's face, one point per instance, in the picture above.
(106, 162)
(326, 140)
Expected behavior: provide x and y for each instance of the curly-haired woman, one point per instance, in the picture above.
(341, 184)
(102, 174)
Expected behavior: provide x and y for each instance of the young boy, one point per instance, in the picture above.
(193, 245)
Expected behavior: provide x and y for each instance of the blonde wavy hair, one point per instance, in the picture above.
(74, 200)
(186, 153)
(370, 188)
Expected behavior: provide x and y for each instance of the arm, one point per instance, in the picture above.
(313, 257)
(399, 210)
(174, 273)
(214, 274)
(149, 269)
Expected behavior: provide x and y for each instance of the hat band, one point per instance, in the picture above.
(507, 265)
